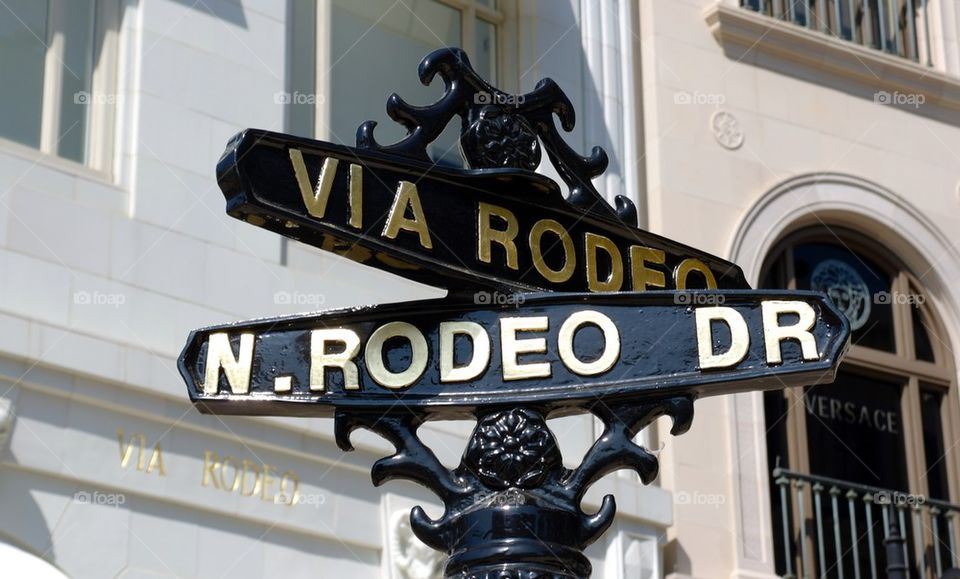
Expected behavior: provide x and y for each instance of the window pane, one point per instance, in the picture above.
(23, 38)
(77, 65)
(300, 100)
(855, 431)
(933, 446)
(487, 3)
(375, 53)
(923, 347)
(858, 287)
(484, 57)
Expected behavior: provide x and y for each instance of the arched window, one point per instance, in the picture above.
(879, 444)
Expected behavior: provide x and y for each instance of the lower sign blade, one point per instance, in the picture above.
(562, 352)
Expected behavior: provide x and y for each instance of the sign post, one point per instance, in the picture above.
(582, 329)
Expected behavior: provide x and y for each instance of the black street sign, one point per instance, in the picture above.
(560, 352)
(503, 229)
(597, 340)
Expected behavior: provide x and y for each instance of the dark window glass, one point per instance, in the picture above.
(923, 347)
(931, 402)
(859, 287)
(775, 413)
(855, 431)
(23, 52)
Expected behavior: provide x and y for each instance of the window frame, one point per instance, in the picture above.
(900, 365)
(102, 116)
(503, 17)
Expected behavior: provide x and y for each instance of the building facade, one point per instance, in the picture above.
(816, 144)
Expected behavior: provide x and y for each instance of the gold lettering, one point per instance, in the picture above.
(480, 341)
(320, 360)
(373, 354)
(615, 279)
(293, 495)
(249, 479)
(252, 468)
(643, 276)
(487, 235)
(356, 196)
(237, 370)
(774, 333)
(569, 256)
(407, 197)
(691, 264)
(211, 463)
(315, 200)
(611, 343)
(268, 481)
(283, 384)
(739, 337)
(511, 347)
(156, 461)
(126, 448)
(235, 483)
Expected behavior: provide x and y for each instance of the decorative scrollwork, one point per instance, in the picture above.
(498, 130)
(512, 486)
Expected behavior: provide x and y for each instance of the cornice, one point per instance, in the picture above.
(759, 35)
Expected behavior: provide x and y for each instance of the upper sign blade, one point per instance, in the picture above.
(506, 229)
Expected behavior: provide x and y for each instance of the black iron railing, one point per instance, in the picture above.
(898, 27)
(835, 528)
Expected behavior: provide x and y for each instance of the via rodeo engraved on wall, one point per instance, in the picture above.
(628, 357)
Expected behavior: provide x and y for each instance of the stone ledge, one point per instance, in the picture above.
(817, 53)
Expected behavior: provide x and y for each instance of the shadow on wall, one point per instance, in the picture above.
(227, 10)
(675, 558)
(558, 52)
(24, 535)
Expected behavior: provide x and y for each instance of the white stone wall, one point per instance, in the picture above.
(889, 171)
(101, 279)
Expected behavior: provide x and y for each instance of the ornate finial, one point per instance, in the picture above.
(499, 130)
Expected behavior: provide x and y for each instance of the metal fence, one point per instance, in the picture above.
(834, 528)
(898, 27)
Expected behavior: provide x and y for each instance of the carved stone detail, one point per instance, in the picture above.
(411, 559)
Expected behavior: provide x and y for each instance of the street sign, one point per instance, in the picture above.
(597, 340)
(556, 351)
(505, 229)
